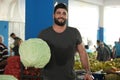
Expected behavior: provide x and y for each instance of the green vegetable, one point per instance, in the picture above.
(7, 77)
(34, 52)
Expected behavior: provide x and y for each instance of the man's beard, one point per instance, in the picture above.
(59, 23)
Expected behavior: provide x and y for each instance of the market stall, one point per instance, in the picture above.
(108, 70)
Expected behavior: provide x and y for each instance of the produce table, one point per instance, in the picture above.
(112, 75)
(97, 76)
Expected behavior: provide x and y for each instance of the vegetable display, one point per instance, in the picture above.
(7, 77)
(13, 67)
(34, 52)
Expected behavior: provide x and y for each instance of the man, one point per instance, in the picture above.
(116, 49)
(3, 55)
(17, 42)
(103, 53)
(106, 55)
(63, 42)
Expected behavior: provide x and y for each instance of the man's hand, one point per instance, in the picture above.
(88, 77)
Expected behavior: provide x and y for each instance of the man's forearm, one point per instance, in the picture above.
(83, 57)
(85, 62)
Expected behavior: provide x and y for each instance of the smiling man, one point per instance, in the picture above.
(63, 41)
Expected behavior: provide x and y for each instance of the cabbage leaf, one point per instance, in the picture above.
(34, 52)
(7, 77)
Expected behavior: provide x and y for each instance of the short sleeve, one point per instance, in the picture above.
(78, 37)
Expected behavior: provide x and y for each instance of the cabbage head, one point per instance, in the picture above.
(7, 77)
(34, 52)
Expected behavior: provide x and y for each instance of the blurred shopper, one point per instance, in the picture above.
(98, 49)
(116, 49)
(106, 52)
(3, 55)
(15, 47)
(103, 53)
(110, 50)
(113, 51)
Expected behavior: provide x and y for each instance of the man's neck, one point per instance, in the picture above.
(59, 29)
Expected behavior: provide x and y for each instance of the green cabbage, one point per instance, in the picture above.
(7, 77)
(34, 52)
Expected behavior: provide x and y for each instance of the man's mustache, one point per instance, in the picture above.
(61, 18)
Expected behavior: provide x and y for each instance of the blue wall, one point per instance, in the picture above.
(100, 34)
(39, 15)
(61, 1)
(4, 31)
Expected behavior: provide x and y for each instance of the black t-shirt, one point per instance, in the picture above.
(63, 46)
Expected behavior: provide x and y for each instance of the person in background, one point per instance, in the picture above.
(98, 49)
(3, 55)
(15, 47)
(63, 41)
(113, 51)
(116, 49)
(109, 49)
(103, 53)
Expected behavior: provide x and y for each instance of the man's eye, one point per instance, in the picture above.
(58, 12)
(64, 13)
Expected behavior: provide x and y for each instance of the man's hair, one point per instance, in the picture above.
(60, 5)
(12, 34)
